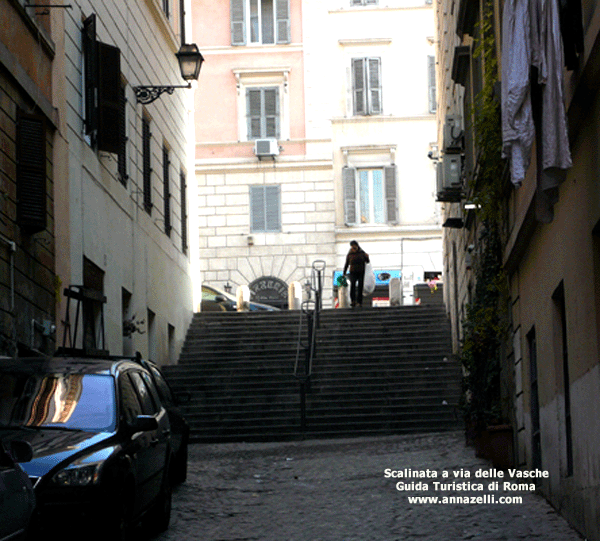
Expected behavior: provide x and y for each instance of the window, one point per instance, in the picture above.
(431, 84)
(102, 92)
(370, 195)
(366, 86)
(262, 112)
(536, 435)
(31, 173)
(166, 191)
(363, 2)
(166, 8)
(265, 209)
(146, 165)
(260, 21)
(183, 190)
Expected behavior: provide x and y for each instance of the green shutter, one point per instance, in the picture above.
(265, 208)
(391, 198)
(272, 208)
(431, 84)
(238, 22)
(254, 112)
(271, 112)
(31, 173)
(349, 185)
(257, 208)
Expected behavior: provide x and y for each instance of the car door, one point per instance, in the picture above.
(156, 456)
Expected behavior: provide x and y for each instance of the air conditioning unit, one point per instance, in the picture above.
(448, 177)
(266, 148)
(453, 134)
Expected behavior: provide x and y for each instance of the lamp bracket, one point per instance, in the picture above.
(147, 94)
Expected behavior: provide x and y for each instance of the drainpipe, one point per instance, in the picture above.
(12, 246)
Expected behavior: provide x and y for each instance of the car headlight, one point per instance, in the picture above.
(78, 476)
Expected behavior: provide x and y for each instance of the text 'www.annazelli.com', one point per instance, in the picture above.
(466, 500)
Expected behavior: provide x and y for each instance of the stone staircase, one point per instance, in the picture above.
(376, 371)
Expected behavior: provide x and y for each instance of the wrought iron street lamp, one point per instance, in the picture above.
(190, 61)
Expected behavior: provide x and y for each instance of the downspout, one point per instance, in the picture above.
(13, 248)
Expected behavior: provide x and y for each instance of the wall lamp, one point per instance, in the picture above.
(190, 61)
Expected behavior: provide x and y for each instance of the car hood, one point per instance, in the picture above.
(52, 447)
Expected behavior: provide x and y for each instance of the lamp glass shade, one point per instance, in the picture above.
(190, 61)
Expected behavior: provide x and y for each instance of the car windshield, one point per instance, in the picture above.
(66, 401)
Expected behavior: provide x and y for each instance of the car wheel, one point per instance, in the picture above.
(159, 516)
(181, 463)
(119, 525)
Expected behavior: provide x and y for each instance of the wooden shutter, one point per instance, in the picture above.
(431, 84)
(254, 112)
(166, 191)
(146, 164)
(238, 22)
(122, 155)
(358, 85)
(283, 28)
(271, 112)
(31, 173)
(109, 98)
(391, 198)
(265, 208)
(183, 191)
(272, 208)
(257, 208)
(90, 60)
(349, 185)
(374, 84)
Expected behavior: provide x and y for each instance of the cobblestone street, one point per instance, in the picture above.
(337, 490)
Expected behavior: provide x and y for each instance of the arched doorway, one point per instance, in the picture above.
(270, 290)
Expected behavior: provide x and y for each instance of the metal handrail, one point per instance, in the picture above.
(311, 309)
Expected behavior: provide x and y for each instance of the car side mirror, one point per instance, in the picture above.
(21, 451)
(220, 298)
(144, 423)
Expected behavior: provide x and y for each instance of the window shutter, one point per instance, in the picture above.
(391, 198)
(374, 86)
(431, 82)
(271, 112)
(109, 98)
(254, 110)
(166, 191)
(349, 185)
(183, 190)
(272, 205)
(238, 23)
(358, 85)
(122, 155)
(146, 164)
(90, 58)
(257, 208)
(283, 21)
(31, 173)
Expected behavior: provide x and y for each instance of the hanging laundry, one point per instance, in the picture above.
(518, 130)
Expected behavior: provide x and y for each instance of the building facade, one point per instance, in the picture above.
(123, 202)
(31, 154)
(551, 359)
(307, 138)
(95, 182)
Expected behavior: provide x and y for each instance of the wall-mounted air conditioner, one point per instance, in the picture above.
(266, 148)
(453, 134)
(448, 177)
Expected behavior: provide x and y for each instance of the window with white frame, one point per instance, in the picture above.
(260, 22)
(263, 113)
(265, 209)
(366, 86)
(370, 195)
(431, 83)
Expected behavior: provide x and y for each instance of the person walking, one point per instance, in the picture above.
(356, 260)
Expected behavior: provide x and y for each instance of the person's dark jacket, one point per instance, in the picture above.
(356, 261)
